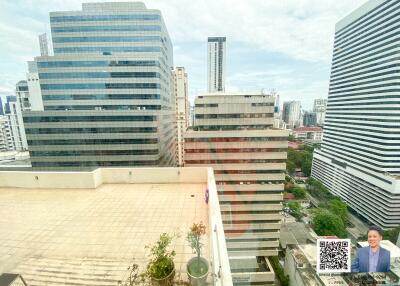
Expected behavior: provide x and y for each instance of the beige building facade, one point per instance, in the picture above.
(181, 109)
(234, 134)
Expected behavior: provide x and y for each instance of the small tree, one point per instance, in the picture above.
(194, 239)
(161, 259)
(134, 278)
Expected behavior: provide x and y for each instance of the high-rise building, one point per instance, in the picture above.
(291, 114)
(107, 91)
(234, 134)
(15, 125)
(22, 93)
(359, 158)
(44, 47)
(35, 94)
(1, 107)
(191, 114)
(320, 109)
(181, 109)
(5, 135)
(216, 57)
(309, 119)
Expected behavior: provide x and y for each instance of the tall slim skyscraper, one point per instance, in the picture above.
(181, 109)
(360, 156)
(106, 92)
(216, 64)
(44, 46)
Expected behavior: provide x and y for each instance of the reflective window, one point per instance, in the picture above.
(99, 86)
(106, 39)
(98, 75)
(99, 96)
(107, 49)
(91, 141)
(150, 17)
(125, 28)
(88, 118)
(67, 64)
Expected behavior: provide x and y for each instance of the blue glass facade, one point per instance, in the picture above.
(109, 77)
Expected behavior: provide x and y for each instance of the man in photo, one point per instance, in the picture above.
(372, 258)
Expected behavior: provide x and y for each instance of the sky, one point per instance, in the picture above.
(285, 45)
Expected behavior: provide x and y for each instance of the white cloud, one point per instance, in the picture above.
(301, 30)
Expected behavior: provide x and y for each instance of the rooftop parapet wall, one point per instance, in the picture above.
(93, 179)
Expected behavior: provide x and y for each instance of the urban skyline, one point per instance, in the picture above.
(108, 144)
(253, 63)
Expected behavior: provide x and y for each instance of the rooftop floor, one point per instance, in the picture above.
(90, 237)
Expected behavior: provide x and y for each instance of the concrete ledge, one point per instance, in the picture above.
(93, 179)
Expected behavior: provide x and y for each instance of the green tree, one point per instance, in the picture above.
(299, 193)
(392, 234)
(291, 138)
(294, 156)
(290, 167)
(306, 165)
(318, 190)
(327, 223)
(338, 207)
(296, 210)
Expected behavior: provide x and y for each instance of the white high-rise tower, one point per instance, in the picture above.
(216, 63)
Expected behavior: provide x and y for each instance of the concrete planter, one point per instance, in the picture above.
(198, 280)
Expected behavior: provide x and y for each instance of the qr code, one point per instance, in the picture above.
(333, 255)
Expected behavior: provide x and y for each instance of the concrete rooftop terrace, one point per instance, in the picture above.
(90, 236)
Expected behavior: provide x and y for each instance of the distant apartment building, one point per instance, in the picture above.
(291, 114)
(320, 109)
(35, 94)
(308, 134)
(15, 126)
(181, 109)
(234, 134)
(309, 119)
(5, 134)
(191, 114)
(359, 159)
(216, 63)
(107, 91)
(22, 93)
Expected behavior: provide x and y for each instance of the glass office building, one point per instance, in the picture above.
(107, 91)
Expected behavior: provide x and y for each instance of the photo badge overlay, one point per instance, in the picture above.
(333, 255)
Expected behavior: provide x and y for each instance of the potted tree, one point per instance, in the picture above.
(197, 267)
(161, 268)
